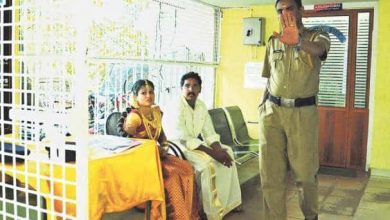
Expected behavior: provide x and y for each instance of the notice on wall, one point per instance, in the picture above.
(328, 7)
(252, 76)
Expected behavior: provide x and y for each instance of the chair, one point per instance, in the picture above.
(112, 124)
(238, 126)
(175, 150)
(242, 153)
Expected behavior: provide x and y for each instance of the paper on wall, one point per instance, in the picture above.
(252, 76)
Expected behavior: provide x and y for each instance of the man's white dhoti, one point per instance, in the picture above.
(220, 188)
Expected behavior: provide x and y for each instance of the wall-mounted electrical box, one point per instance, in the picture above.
(253, 31)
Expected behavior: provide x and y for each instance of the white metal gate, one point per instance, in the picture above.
(66, 64)
(45, 50)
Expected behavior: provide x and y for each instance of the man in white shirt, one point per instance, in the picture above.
(217, 173)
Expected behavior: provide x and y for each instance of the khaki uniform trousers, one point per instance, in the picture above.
(288, 138)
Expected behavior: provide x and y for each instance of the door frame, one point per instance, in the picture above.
(372, 69)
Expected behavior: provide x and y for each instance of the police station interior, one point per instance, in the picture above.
(68, 67)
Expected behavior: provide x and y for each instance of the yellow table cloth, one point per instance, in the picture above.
(117, 182)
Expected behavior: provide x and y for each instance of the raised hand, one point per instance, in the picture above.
(290, 32)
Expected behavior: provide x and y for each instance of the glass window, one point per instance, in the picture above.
(361, 69)
(333, 76)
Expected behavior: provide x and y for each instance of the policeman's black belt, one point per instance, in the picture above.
(299, 102)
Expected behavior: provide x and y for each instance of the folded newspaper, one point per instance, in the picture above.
(112, 143)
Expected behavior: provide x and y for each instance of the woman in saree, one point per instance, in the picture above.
(144, 121)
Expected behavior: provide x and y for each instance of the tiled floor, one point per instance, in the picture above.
(375, 203)
(341, 198)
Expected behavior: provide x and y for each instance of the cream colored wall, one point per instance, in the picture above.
(230, 73)
(380, 156)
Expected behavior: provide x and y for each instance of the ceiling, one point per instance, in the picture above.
(248, 3)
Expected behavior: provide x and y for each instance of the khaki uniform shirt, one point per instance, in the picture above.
(294, 73)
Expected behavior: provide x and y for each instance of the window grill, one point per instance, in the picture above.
(158, 40)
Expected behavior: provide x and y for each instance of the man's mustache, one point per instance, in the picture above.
(191, 93)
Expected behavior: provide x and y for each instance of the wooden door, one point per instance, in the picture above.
(344, 87)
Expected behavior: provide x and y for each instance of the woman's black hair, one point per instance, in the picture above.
(298, 2)
(190, 75)
(139, 84)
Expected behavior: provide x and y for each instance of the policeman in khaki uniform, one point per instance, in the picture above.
(288, 114)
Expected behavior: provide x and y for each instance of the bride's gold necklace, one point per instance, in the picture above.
(151, 121)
